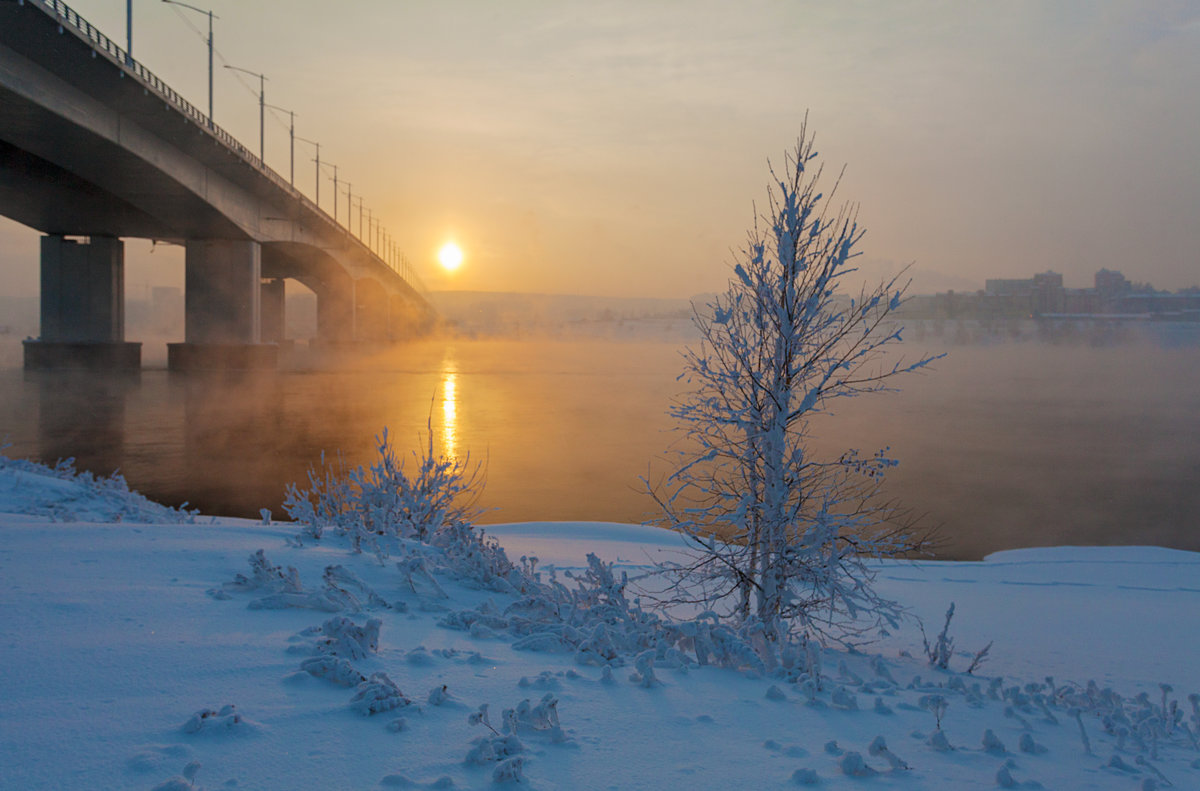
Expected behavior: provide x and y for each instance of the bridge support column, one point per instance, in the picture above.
(273, 323)
(222, 308)
(402, 318)
(335, 312)
(273, 311)
(83, 307)
(370, 311)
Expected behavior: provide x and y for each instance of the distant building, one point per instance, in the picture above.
(1042, 293)
(1048, 293)
(1111, 285)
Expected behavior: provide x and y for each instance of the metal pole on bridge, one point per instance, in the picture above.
(292, 140)
(262, 107)
(129, 33)
(317, 189)
(211, 17)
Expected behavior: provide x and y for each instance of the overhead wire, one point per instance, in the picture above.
(254, 92)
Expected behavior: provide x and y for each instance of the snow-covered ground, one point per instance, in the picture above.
(123, 642)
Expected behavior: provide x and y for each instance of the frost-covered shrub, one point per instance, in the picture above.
(853, 765)
(935, 705)
(340, 636)
(344, 585)
(378, 694)
(487, 749)
(266, 576)
(334, 669)
(643, 674)
(485, 614)
(510, 770)
(1026, 744)
(383, 501)
(943, 648)
(991, 742)
(210, 720)
(805, 777)
(879, 749)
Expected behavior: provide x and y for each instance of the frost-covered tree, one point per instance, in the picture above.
(781, 535)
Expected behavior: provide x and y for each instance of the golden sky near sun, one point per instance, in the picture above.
(617, 148)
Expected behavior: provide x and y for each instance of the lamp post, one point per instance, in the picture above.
(210, 47)
(129, 33)
(335, 194)
(317, 194)
(291, 139)
(349, 205)
(262, 108)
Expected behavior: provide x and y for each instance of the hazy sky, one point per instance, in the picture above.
(616, 148)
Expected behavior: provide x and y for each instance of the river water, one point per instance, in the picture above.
(999, 446)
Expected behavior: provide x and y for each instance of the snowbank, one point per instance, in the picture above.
(135, 657)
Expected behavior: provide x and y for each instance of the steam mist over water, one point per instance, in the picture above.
(1001, 446)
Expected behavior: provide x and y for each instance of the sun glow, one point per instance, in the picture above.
(450, 256)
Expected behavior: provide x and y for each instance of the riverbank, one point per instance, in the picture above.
(123, 634)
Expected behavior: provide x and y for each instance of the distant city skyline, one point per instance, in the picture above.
(617, 148)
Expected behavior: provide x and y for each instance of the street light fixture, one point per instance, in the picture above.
(262, 108)
(210, 48)
(292, 141)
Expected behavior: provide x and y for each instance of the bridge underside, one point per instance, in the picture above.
(90, 148)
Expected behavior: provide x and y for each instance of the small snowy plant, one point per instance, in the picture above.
(384, 501)
(378, 694)
(943, 648)
(782, 536)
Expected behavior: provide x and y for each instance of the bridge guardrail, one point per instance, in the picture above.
(64, 14)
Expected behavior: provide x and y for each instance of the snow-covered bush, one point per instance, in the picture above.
(383, 501)
(423, 523)
(340, 636)
(212, 720)
(378, 694)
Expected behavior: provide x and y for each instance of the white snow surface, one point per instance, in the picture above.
(123, 649)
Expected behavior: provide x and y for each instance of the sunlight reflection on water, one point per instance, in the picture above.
(449, 439)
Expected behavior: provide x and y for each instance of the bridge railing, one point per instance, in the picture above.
(68, 17)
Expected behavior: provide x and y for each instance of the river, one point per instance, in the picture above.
(999, 446)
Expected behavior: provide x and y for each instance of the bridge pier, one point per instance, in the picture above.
(370, 311)
(82, 307)
(404, 320)
(335, 311)
(222, 308)
(273, 311)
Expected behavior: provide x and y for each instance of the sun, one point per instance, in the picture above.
(450, 256)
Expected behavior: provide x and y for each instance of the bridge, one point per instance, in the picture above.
(94, 147)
